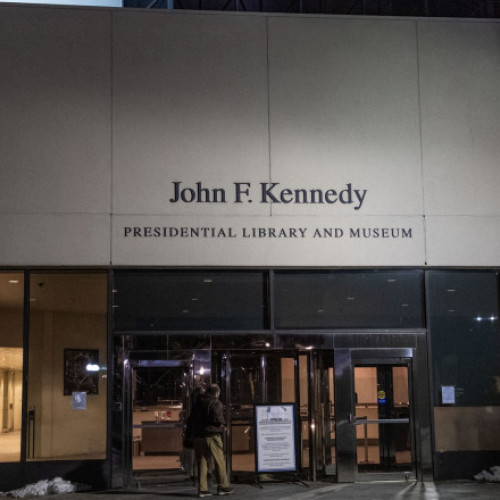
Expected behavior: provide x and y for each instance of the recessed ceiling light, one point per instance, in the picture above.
(451, 290)
(207, 280)
(351, 298)
(13, 281)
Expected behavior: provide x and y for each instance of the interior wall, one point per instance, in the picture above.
(55, 418)
(467, 428)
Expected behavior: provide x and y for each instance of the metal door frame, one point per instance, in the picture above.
(137, 359)
(344, 361)
(223, 368)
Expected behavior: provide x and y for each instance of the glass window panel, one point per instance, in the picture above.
(349, 299)
(150, 301)
(463, 307)
(11, 365)
(67, 341)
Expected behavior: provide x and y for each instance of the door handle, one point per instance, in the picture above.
(357, 420)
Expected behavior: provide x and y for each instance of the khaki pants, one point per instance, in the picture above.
(205, 449)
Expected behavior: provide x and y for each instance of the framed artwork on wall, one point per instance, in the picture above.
(81, 371)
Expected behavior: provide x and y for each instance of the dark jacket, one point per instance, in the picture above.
(207, 416)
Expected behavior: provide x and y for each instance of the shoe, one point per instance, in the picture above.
(203, 494)
(224, 491)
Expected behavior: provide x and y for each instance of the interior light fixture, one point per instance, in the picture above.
(391, 280)
(351, 298)
(14, 281)
(451, 290)
(185, 311)
(405, 305)
(207, 280)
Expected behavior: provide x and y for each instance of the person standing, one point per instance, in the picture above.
(208, 423)
(188, 459)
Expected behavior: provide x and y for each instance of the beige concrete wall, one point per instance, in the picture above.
(55, 169)
(60, 431)
(467, 428)
(105, 109)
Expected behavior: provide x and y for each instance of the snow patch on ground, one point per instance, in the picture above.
(492, 477)
(44, 487)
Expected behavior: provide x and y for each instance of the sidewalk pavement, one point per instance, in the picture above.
(449, 490)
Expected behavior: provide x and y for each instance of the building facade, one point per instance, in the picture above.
(301, 208)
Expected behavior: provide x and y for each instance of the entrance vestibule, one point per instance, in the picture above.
(354, 411)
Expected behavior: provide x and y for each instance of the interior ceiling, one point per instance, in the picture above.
(418, 8)
(66, 292)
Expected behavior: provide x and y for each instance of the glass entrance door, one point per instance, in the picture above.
(246, 379)
(382, 414)
(323, 414)
(160, 391)
(157, 410)
(383, 417)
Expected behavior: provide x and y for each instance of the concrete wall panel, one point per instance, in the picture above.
(264, 241)
(463, 241)
(459, 66)
(344, 109)
(55, 118)
(55, 240)
(190, 105)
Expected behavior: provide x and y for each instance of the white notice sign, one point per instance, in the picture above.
(275, 434)
(79, 400)
(448, 394)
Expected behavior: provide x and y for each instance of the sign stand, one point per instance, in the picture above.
(275, 442)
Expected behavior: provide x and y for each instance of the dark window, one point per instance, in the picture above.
(155, 301)
(349, 299)
(465, 337)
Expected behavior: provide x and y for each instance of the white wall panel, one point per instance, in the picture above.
(268, 241)
(55, 118)
(463, 241)
(324, 103)
(190, 105)
(55, 240)
(460, 82)
(344, 109)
